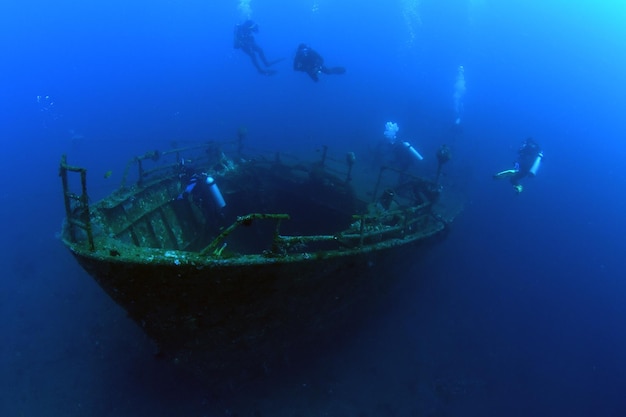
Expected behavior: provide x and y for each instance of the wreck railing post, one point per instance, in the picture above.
(276, 238)
(66, 196)
(361, 231)
(83, 200)
(85, 205)
(324, 152)
(380, 177)
(140, 171)
(405, 220)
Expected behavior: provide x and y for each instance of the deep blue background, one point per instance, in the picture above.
(521, 311)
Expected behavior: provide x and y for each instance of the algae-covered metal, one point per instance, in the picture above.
(282, 255)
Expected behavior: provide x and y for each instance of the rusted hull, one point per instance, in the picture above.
(296, 256)
(219, 319)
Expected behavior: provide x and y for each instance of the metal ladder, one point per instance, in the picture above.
(80, 218)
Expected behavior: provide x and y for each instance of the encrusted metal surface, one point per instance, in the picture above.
(290, 258)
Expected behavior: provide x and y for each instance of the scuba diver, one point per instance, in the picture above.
(529, 159)
(244, 40)
(203, 189)
(309, 61)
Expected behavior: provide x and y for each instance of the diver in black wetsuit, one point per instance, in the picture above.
(244, 40)
(527, 164)
(309, 61)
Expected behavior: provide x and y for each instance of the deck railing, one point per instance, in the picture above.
(77, 212)
(368, 227)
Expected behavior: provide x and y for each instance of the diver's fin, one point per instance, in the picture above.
(274, 62)
(505, 174)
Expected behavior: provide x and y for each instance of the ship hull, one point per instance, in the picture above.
(297, 255)
(220, 320)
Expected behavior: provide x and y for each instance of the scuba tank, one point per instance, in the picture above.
(535, 166)
(216, 195)
(413, 151)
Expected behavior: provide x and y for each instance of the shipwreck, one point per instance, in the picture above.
(228, 260)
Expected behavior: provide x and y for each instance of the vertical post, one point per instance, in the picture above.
(84, 201)
(350, 158)
(276, 239)
(139, 171)
(380, 176)
(324, 152)
(66, 197)
(362, 230)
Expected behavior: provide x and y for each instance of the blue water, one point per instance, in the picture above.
(520, 312)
